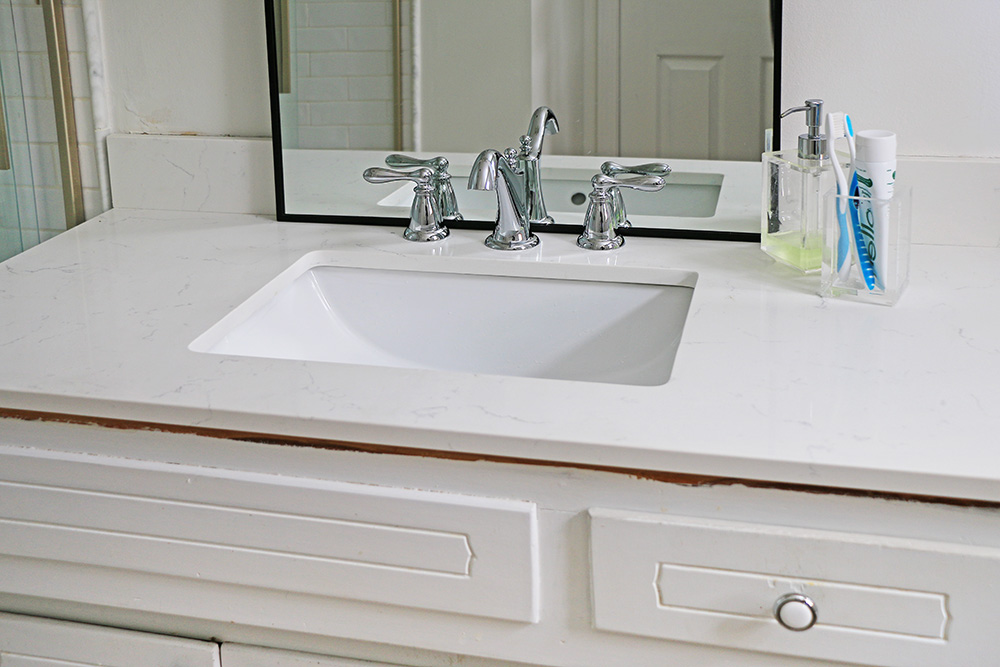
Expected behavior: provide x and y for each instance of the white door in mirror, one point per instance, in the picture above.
(795, 612)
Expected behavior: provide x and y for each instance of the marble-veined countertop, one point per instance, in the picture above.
(771, 382)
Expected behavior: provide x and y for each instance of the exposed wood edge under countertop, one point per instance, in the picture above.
(684, 479)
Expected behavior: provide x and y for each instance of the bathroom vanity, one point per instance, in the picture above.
(264, 509)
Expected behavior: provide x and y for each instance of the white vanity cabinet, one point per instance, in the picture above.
(284, 554)
(26, 641)
(240, 655)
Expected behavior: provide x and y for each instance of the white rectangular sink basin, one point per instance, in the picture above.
(686, 194)
(523, 326)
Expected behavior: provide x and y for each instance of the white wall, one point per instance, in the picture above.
(928, 70)
(177, 66)
(186, 66)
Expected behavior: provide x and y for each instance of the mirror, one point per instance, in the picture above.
(689, 82)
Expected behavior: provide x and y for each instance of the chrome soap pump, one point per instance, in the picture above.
(795, 181)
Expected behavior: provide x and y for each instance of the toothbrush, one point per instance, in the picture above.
(860, 244)
(838, 125)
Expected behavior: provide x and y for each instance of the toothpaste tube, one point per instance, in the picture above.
(876, 174)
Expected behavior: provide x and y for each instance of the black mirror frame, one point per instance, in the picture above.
(279, 182)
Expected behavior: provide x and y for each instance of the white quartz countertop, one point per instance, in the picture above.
(771, 382)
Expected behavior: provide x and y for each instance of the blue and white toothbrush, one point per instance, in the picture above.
(860, 243)
(838, 125)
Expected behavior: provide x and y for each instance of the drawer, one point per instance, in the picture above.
(411, 548)
(239, 655)
(875, 600)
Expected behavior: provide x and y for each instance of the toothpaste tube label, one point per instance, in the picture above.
(875, 182)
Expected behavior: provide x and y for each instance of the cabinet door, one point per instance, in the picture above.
(690, 87)
(26, 641)
(237, 655)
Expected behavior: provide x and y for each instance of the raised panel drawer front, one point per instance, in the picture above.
(877, 600)
(420, 549)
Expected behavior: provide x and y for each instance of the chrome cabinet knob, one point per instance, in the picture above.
(795, 611)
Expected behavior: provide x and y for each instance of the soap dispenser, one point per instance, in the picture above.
(795, 181)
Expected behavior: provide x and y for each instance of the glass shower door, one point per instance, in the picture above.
(18, 214)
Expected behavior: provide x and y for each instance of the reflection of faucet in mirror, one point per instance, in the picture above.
(614, 169)
(441, 181)
(425, 216)
(319, 134)
(543, 122)
(600, 221)
(493, 171)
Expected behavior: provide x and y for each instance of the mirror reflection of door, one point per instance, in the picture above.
(695, 78)
(636, 78)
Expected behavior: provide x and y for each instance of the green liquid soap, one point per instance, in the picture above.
(788, 248)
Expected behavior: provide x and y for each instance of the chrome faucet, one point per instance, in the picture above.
(426, 223)
(493, 171)
(441, 181)
(542, 122)
(613, 169)
(600, 221)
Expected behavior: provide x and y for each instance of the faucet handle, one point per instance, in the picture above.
(650, 169)
(606, 210)
(438, 164)
(445, 194)
(615, 170)
(426, 223)
(644, 182)
(420, 175)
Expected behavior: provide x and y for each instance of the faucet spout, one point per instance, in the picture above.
(491, 171)
(542, 122)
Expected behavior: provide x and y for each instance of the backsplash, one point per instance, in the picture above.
(927, 70)
(230, 174)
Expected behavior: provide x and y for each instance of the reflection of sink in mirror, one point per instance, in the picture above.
(686, 194)
(536, 327)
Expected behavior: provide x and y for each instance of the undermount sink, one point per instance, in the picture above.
(531, 326)
(686, 194)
